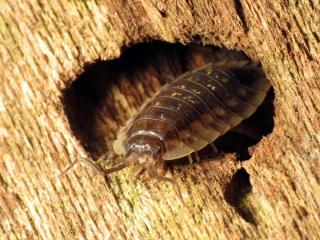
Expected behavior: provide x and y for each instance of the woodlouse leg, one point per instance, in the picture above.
(137, 170)
(170, 180)
(121, 166)
(190, 158)
(160, 168)
(214, 148)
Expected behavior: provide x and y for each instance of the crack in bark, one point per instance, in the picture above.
(239, 10)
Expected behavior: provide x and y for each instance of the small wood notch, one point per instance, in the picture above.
(237, 193)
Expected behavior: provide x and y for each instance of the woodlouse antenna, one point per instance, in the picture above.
(95, 165)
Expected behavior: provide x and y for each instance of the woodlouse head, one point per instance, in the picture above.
(143, 150)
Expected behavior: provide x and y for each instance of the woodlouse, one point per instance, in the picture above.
(188, 114)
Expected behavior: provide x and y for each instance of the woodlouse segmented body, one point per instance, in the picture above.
(192, 111)
(188, 114)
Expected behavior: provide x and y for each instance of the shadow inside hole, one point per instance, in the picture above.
(97, 102)
(106, 94)
(250, 131)
(236, 194)
(82, 99)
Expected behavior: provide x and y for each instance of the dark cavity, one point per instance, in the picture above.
(95, 112)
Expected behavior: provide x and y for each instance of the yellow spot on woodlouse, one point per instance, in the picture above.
(175, 94)
(209, 71)
(196, 91)
(189, 99)
(210, 86)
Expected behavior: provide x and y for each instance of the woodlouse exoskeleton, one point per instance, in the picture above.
(188, 114)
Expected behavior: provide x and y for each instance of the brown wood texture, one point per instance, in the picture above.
(44, 125)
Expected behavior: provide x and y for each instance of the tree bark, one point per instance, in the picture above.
(45, 124)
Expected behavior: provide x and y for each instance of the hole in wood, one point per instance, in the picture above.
(236, 194)
(107, 93)
(250, 131)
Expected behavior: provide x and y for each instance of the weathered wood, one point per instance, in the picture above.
(45, 45)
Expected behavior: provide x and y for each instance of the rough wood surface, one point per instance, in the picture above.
(45, 45)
